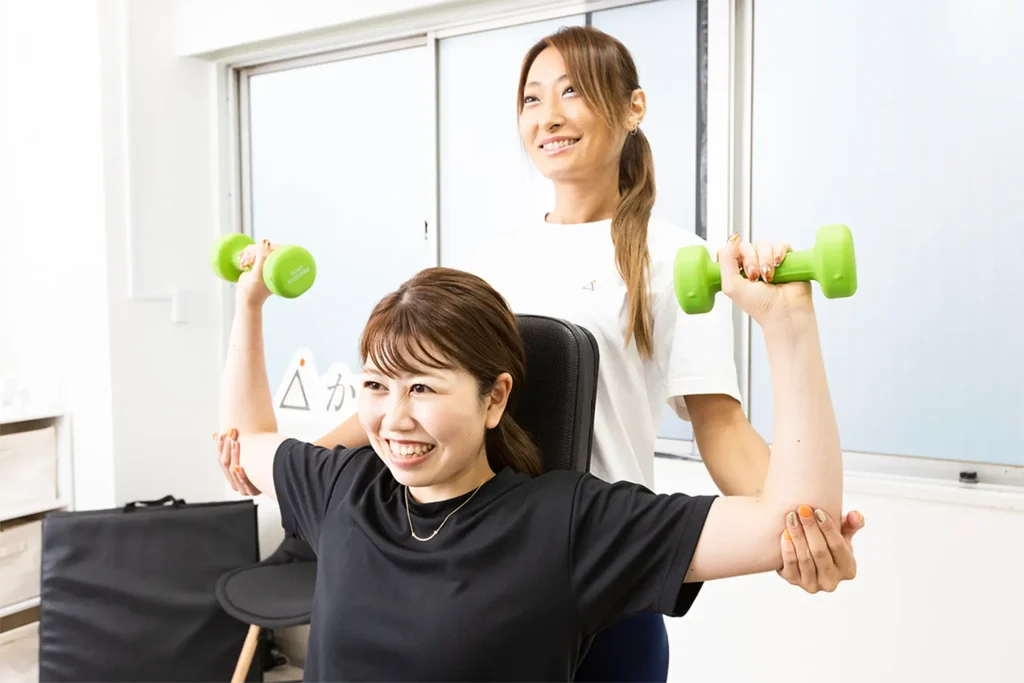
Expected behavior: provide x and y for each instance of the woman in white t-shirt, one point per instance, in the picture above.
(608, 267)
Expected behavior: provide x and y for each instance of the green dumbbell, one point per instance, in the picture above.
(831, 262)
(288, 272)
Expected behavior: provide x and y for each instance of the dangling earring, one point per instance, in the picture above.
(633, 131)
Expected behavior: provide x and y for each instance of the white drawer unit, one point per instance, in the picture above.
(20, 560)
(28, 468)
(19, 654)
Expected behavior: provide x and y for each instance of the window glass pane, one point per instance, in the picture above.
(906, 125)
(662, 37)
(488, 184)
(341, 154)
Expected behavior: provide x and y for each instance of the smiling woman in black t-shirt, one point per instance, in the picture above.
(444, 553)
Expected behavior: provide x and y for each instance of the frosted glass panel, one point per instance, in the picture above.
(902, 120)
(488, 184)
(341, 156)
(662, 37)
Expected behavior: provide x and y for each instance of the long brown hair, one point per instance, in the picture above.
(604, 74)
(445, 318)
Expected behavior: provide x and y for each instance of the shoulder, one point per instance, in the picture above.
(664, 239)
(572, 488)
(297, 458)
(554, 487)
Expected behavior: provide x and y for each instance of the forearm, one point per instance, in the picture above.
(246, 403)
(349, 434)
(735, 455)
(806, 465)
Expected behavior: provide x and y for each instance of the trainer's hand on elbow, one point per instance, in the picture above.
(228, 452)
(816, 555)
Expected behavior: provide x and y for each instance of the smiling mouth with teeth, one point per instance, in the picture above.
(410, 450)
(560, 144)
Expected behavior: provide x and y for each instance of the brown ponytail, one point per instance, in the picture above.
(603, 72)
(629, 234)
(509, 446)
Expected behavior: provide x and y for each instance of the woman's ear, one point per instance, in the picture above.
(497, 399)
(637, 109)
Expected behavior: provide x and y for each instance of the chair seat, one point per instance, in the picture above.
(277, 592)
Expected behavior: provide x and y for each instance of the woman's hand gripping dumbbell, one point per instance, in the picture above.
(831, 262)
(287, 271)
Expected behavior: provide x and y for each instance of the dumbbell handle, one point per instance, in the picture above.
(798, 266)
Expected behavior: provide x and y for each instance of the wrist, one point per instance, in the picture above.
(244, 304)
(789, 326)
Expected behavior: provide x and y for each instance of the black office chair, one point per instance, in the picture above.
(555, 407)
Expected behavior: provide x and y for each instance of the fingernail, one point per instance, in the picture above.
(215, 435)
(266, 244)
(767, 273)
(805, 511)
(778, 259)
(236, 469)
(785, 534)
(820, 516)
(734, 238)
(791, 519)
(234, 433)
(860, 516)
(753, 273)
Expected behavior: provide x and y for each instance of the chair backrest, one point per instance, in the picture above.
(557, 403)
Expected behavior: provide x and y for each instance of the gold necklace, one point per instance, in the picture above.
(409, 515)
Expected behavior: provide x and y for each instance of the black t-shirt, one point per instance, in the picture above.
(512, 588)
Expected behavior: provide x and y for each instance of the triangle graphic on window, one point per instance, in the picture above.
(295, 384)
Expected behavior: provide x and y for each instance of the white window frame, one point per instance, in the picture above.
(729, 168)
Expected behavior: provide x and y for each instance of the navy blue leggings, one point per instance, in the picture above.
(634, 650)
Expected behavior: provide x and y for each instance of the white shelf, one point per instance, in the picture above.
(8, 610)
(28, 415)
(7, 514)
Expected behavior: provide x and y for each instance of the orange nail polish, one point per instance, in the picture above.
(236, 469)
(234, 435)
(860, 516)
(787, 536)
(805, 511)
(734, 238)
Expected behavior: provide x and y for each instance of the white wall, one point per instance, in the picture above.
(54, 309)
(208, 25)
(141, 390)
(219, 28)
(165, 374)
(937, 598)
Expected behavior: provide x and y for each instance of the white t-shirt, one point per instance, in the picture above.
(569, 272)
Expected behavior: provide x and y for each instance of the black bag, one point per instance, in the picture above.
(128, 594)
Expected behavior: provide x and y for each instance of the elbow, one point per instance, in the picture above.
(780, 514)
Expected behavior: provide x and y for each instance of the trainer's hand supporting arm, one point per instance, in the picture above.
(741, 535)
(246, 404)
